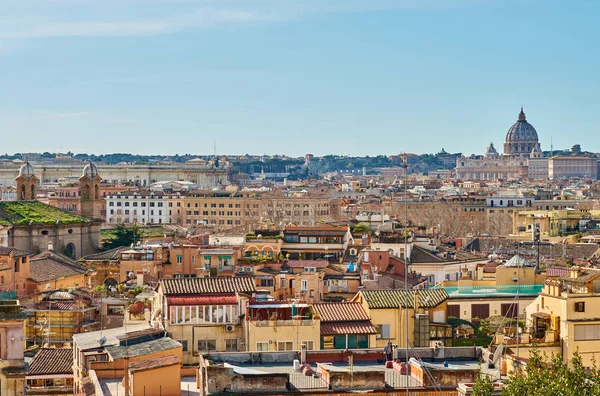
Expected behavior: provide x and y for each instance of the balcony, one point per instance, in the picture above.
(288, 322)
(226, 268)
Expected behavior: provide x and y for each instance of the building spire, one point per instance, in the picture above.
(522, 115)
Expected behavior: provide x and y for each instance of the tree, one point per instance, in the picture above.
(361, 228)
(543, 377)
(483, 386)
(122, 236)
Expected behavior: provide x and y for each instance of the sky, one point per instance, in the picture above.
(348, 77)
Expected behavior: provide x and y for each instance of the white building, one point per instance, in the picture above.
(143, 208)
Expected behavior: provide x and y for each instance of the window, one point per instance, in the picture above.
(454, 311)
(480, 311)
(509, 310)
(207, 345)
(303, 285)
(580, 306)
(179, 259)
(193, 260)
(262, 346)
(285, 345)
(587, 332)
(310, 345)
(231, 345)
(383, 331)
(184, 345)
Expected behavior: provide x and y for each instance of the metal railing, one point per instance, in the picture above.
(289, 322)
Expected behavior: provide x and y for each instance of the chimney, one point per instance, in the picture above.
(139, 278)
(50, 245)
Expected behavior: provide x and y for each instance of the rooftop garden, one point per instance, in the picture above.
(33, 212)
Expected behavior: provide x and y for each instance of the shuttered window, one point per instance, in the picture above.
(509, 310)
(454, 310)
(480, 311)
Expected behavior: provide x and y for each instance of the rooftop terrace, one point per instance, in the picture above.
(492, 291)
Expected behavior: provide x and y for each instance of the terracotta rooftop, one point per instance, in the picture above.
(340, 312)
(150, 364)
(5, 251)
(183, 286)
(50, 265)
(428, 298)
(52, 361)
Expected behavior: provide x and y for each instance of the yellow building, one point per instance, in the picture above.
(388, 310)
(203, 314)
(567, 312)
(219, 209)
(345, 326)
(552, 222)
(14, 270)
(281, 326)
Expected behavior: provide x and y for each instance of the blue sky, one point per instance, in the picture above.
(355, 77)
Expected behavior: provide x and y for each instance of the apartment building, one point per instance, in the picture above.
(219, 209)
(143, 208)
(204, 314)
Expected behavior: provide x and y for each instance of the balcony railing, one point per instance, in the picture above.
(288, 322)
(226, 268)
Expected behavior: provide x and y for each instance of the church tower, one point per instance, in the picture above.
(26, 183)
(89, 192)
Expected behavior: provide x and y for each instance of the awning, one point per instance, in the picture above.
(541, 315)
(203, 300)
(49, 376)
(343, 328)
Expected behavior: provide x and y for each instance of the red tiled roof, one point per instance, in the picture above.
(556, 272)
(307, 263)
(218, 285)
(150, 364)
(342, 328)
(489, 268)
(340, 312)
(52, 361)
(203, 300)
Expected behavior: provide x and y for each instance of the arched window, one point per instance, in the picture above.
(23, 192)
(33, 195)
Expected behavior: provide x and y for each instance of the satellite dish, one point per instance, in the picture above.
(498, 353)
(102, 341)
(47, 286)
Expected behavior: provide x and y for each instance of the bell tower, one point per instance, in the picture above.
(26, 183)
(89, 192)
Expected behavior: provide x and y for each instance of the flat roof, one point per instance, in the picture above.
(493, 291)
(114, 387)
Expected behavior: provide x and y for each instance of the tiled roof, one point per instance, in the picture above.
(112, 254)
(340, 312)
(555, 272)
(183, 286)
(307, 263)
(50, 265)
(337, 328)
(56, 305)
(143, 348)
(428, 298)
(5, 251)
(150, 364)
(52, 361)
